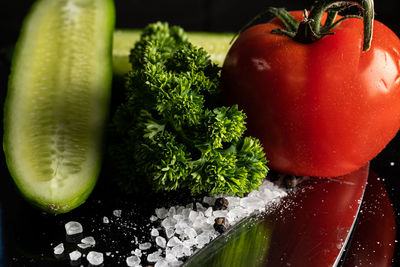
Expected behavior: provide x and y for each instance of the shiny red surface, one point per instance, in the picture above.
(312, 224)
(321, 109)
(373, 241)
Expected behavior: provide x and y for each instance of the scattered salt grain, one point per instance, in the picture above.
(169, 232)
(84, 246)
(168, 222)
(233, 201)
(161, 242)
(202, 240)
(137, 252)
(75, 255)
(200, 207)
(89, 240)
(171, 211)
(237, 213)
(208, 212)
(186, 212)
(161, 263)
(181, 251)
(190, 232)
(162, 213)
(145, 246)
(132, 261)
(154, 232)
(95, 258)
(174, 241)
(185, 228)
(220, 213)
(251, 203)
(189, 242)
(154, 257)
(117, 213)
(169, 256)
(210, 200)
(59, 249)
(73, 228)
(175, 263)
(192, 215)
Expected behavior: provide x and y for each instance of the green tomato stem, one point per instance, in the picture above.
(311, 30)
(367, 6)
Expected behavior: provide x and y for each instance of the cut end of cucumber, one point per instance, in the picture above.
(57, 101)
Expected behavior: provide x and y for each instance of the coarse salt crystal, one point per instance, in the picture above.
(73, 228)
(132, 261)
(84, 246)
(145, 246)
(181, 251)
(200, 207)
(95, 258)
(169, 256)
(178, 217)
(175, 263)
(208, 212)
(59, 249)
(75, 255)
(161, 263)
(117, 213)
(220, 213)
(162, 213)
(190, 232)
(168, 222)
(154, 257)
(174, 241)
(189, 242)
(233, 201)
(154, 232)
(172, 211)
(169, 232)
(186, 212)
(210, 200)
(89, 240)
(137, 252)
(161, 242)
(251, 203)
(192, 215)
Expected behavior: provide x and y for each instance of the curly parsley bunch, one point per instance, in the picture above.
(171, 133)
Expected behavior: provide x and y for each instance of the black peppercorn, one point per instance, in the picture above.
(221, 224)
(221, 203)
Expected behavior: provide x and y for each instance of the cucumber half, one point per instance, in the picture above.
(57, 101)
(216, 44)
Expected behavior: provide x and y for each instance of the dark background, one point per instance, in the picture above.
(193, 15)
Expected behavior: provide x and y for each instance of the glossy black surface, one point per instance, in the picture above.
(27, 236)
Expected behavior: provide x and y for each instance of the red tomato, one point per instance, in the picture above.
(321, 109)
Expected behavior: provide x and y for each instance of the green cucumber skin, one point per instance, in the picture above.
(125, 39)
(80, 196)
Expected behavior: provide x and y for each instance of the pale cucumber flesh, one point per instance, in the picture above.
(216, 44)
(57, 101)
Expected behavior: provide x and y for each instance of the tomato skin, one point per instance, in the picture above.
(322, 109)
